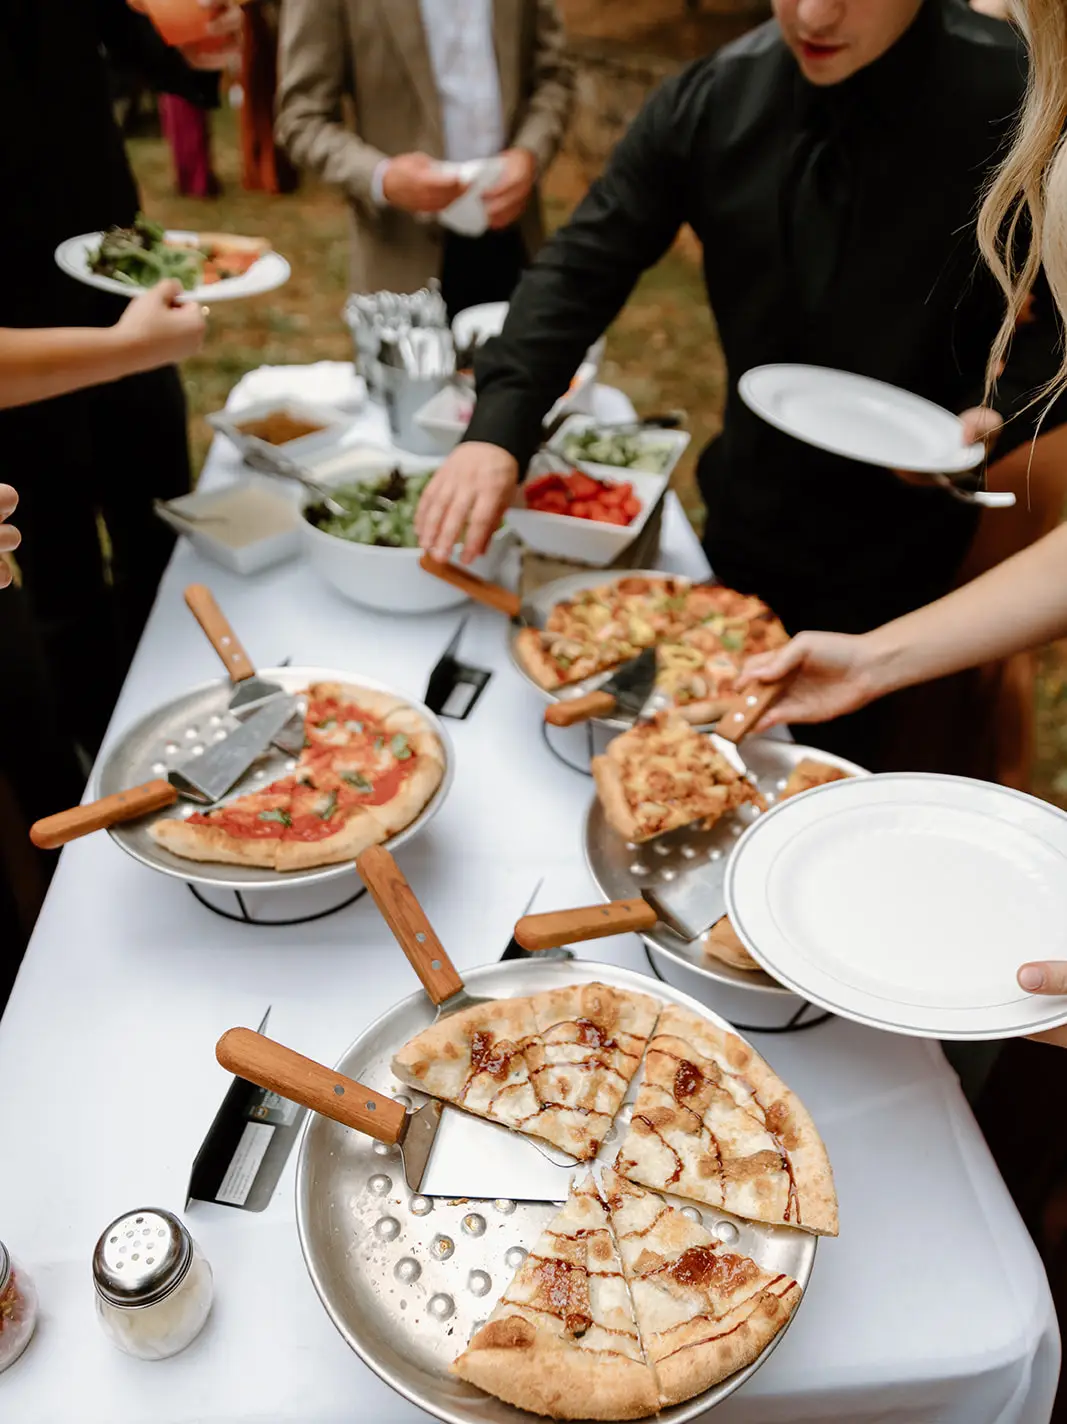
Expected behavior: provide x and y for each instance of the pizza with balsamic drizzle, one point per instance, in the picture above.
(713, 1122)
(555, 1065)
(702, 1311)
(562, 1341)
(370, 764)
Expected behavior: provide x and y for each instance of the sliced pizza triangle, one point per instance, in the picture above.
(562, 1341)
(703, 1312)
(589, 1043)
(713, 1122)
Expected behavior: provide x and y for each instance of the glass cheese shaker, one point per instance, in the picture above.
(18, 1309)
(153, 1285)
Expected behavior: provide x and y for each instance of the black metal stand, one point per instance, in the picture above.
(797, 1024)
(245, 917)
(573, 766)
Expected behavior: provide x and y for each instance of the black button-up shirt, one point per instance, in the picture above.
(828, 542)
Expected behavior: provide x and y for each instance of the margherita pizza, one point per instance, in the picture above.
(370, 764)
(703, 634)
(663, 774)
(713, 1122)
(555, 1065)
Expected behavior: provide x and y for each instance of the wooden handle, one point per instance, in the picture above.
(493, 595)
(270, 1065)
(580, 709)
(751, 707)
(216, 625)
(412, 930)
(64, 826)
(559, 927)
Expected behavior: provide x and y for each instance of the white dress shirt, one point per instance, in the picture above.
(459, 36)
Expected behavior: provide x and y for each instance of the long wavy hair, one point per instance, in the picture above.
(1030, 188)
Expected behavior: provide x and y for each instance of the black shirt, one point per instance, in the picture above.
(828, 542)
(63, 167)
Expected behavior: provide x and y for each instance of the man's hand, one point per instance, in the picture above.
(834, 673)
(413, 182)
(1049, 977)
(155, 331)
(978, 423)
(213, 52)
(10, 538)
(506, 202)
(472, 488)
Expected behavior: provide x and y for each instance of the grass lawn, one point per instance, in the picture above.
(662, 350)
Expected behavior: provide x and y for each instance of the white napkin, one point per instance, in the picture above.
(467, 214)
(325, 382)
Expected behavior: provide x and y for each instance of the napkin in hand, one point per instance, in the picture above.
(467, 214)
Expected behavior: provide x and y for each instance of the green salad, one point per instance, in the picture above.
(380, 511)
(626, 451)
(140, 256)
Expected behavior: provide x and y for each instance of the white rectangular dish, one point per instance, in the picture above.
(563, 536)
(333, 423)
(243, 527)
(672, 441)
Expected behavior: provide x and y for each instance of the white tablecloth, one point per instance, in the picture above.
(931, 1308)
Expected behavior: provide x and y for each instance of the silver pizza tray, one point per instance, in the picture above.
(621, 868)
(544, 599)
(406, 1279)
(172, 732)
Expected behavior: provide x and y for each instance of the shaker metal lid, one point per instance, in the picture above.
(141, 1257)
(5, 1268)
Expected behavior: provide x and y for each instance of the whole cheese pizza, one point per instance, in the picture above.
(702, 633)
(370, 764)
(663, 774)
(713, 1122)
(555, 1065)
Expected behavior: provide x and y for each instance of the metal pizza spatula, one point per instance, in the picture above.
(204, 779)
(250, 690)
(490, 595)
(627, 691)
(474, 1157)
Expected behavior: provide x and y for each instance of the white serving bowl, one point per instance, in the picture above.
(332, 421)
(586, 541)
(389, 580)
(675, 440)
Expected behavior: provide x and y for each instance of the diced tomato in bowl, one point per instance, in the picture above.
(582, 497)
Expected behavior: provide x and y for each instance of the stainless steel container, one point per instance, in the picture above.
(153, 1285)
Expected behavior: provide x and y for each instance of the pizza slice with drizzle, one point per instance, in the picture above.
(713, 1122)
(702, 1311)
(554, 1065)
(663, 774)
(562, 1341)
(589, 1044)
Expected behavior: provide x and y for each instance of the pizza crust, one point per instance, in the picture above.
(412, 796)
(532, 654)
(607, 777)
(724, 943)
(359, 831)
(376, 704)
(210, 843)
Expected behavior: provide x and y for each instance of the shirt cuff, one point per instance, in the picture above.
(377, 184)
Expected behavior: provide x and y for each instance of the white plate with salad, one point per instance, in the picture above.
(603, 450)
(212, 267)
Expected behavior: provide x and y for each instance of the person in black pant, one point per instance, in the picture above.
(831, 163)
(89, 464)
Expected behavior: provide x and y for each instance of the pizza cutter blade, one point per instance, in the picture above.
(627, 690)
(250, 690)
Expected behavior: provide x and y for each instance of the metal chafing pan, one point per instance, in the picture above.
(194, 719)
(407, 1280)
(621, 868)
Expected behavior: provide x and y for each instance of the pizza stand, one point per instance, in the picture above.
(932, 1304)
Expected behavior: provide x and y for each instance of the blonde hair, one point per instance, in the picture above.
(1030, 187)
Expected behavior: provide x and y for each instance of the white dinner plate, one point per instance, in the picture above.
(268, 272)
(859, 418)
(908, 902)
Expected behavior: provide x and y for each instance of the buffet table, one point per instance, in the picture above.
(932, 1306)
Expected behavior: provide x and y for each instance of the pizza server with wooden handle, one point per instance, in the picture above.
(516, 1166)
(203, 779)
(250, 690)
(490, 595)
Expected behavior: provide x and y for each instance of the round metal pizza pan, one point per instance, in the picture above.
(406, 1279)
(621, 868)
(544, 600)
(170, 733)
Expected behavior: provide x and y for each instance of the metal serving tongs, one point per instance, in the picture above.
(416, 937)
(282, 468)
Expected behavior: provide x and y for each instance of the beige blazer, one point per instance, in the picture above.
(372, 57)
